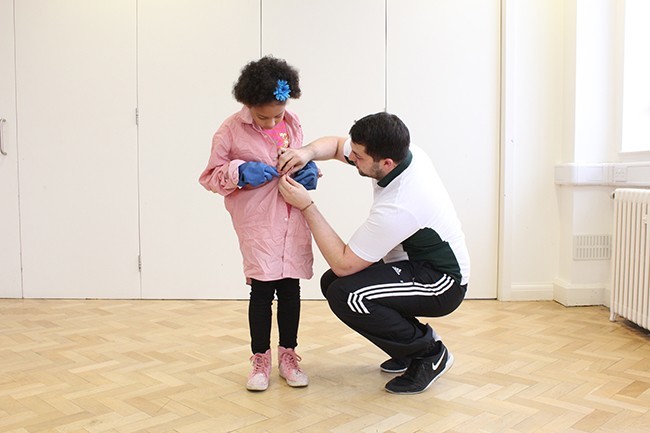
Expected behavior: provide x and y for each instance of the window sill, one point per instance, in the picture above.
(634, 156)
(620, 174)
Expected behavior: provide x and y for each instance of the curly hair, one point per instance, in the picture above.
(259, 79)
(383, 134)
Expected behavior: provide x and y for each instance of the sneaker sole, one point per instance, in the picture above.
(259, 387)
(450, 362)
(385, 370)
(294, 384)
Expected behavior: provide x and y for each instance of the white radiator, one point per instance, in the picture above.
(631, 256)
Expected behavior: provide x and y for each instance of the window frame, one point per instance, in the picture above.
(634, 151)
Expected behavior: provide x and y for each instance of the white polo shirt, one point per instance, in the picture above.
(413, 218)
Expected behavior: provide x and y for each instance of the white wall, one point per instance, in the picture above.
(593, 32)
(562, 99)
(102, 195)
(443, 73)
(77, 140)
(596, 107)
(533, 100)
(342, 77)
(188, 247)
(10, 276)
(559, 104)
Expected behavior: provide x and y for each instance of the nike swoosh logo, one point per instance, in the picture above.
(437, 364)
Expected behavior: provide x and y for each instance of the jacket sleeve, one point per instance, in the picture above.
(221, 174)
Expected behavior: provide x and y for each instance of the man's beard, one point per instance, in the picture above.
(375, 173)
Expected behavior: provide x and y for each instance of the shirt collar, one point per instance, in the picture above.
(396, 171)
(246, 116)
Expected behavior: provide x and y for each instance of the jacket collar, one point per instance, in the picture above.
(396, 171)
(245, 116)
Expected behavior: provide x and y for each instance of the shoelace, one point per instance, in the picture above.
(260, 363)
(291, 359)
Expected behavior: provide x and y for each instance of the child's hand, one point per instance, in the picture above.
(308, 176)
(255, 173)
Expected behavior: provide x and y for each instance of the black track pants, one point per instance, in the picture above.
(382, 303)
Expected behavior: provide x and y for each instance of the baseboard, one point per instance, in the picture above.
(529, 292)
(607, 297)
(574, 295)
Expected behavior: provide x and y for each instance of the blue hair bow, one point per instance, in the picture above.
(282, 91)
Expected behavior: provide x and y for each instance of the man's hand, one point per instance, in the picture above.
(293, 192)
(292, 160)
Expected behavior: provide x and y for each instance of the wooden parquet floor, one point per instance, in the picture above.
(180, 366)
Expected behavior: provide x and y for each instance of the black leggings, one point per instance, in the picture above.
(260, 313)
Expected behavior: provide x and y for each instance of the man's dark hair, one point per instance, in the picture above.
(384, 135)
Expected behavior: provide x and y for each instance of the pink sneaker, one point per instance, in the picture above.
(289, 368)
(258, 379)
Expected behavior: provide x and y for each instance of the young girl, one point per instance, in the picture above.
(274, 238)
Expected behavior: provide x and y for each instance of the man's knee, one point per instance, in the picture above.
(337, 297)
(326, 281)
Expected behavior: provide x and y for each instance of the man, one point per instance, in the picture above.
(407, 260)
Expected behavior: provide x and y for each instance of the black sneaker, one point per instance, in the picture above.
(395, 365)
(421, 373)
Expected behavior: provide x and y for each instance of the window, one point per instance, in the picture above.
(636, 77)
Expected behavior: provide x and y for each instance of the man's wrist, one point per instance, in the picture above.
(307, 207)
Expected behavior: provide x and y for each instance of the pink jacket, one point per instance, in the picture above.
(274, 238)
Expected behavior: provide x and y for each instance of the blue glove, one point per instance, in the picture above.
(255, 173)
(307, 176)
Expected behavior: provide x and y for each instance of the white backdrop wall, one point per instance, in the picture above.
(85, 192)
(102, 196)
(78, 150)
(593, 92)
(10, 275)
(452, 104)
(341, 58)
(533, 134)
(189, 54)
